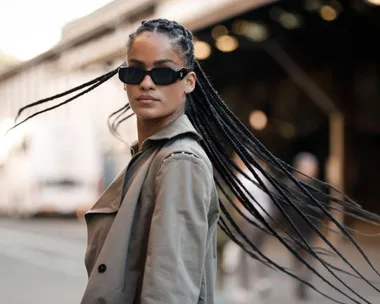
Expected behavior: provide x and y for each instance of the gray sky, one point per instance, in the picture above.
(28, 28)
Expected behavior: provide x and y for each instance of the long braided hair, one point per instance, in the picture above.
(222, 131)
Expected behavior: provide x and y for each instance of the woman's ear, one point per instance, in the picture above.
(190, 81)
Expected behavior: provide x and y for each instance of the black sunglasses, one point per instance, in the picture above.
(160, 76)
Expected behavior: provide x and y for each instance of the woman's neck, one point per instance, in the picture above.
(146, 128)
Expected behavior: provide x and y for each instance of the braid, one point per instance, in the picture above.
(113, 126)
(222, 130)
(239, 193)
(94, 83)
(86, 84)
(226, 123)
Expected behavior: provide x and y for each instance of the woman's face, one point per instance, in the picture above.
(148, 100)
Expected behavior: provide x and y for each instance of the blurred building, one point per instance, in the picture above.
(91, 46)
(7, 62)
(303, 75)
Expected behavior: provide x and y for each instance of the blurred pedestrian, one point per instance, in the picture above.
(253, 275)
(306, 167)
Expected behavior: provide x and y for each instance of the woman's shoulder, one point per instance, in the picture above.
(184, 147)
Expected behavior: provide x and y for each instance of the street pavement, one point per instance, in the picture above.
(41, 261)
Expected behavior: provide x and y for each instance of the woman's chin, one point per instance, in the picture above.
(148, 114)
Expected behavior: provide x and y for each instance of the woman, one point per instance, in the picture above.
(151, 235)
(162, 244)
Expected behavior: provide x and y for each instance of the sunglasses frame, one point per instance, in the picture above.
(177, 74)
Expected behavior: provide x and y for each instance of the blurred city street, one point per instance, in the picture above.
(302, 76)
(42, 262)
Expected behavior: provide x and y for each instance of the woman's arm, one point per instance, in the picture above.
(178, 232)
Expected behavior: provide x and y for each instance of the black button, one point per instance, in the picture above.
(102, 268)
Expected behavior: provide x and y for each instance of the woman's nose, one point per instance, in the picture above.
(147, 83)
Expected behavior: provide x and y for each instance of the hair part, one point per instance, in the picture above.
(180, 38)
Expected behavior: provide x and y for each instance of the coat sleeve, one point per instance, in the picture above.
(177, 241)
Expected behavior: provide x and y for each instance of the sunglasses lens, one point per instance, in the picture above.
(130, 75)
(163, 76)
(160, 76)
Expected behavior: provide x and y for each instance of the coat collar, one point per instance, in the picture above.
(179, 126)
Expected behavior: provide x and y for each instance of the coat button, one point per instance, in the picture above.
(102, 268)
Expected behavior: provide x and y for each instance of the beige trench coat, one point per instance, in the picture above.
(157, 245)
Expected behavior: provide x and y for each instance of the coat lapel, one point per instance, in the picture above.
(108, 201)
(102, 287)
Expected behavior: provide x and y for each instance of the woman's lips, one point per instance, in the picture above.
(146, 99)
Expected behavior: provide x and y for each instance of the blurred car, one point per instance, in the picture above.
(54, 168)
